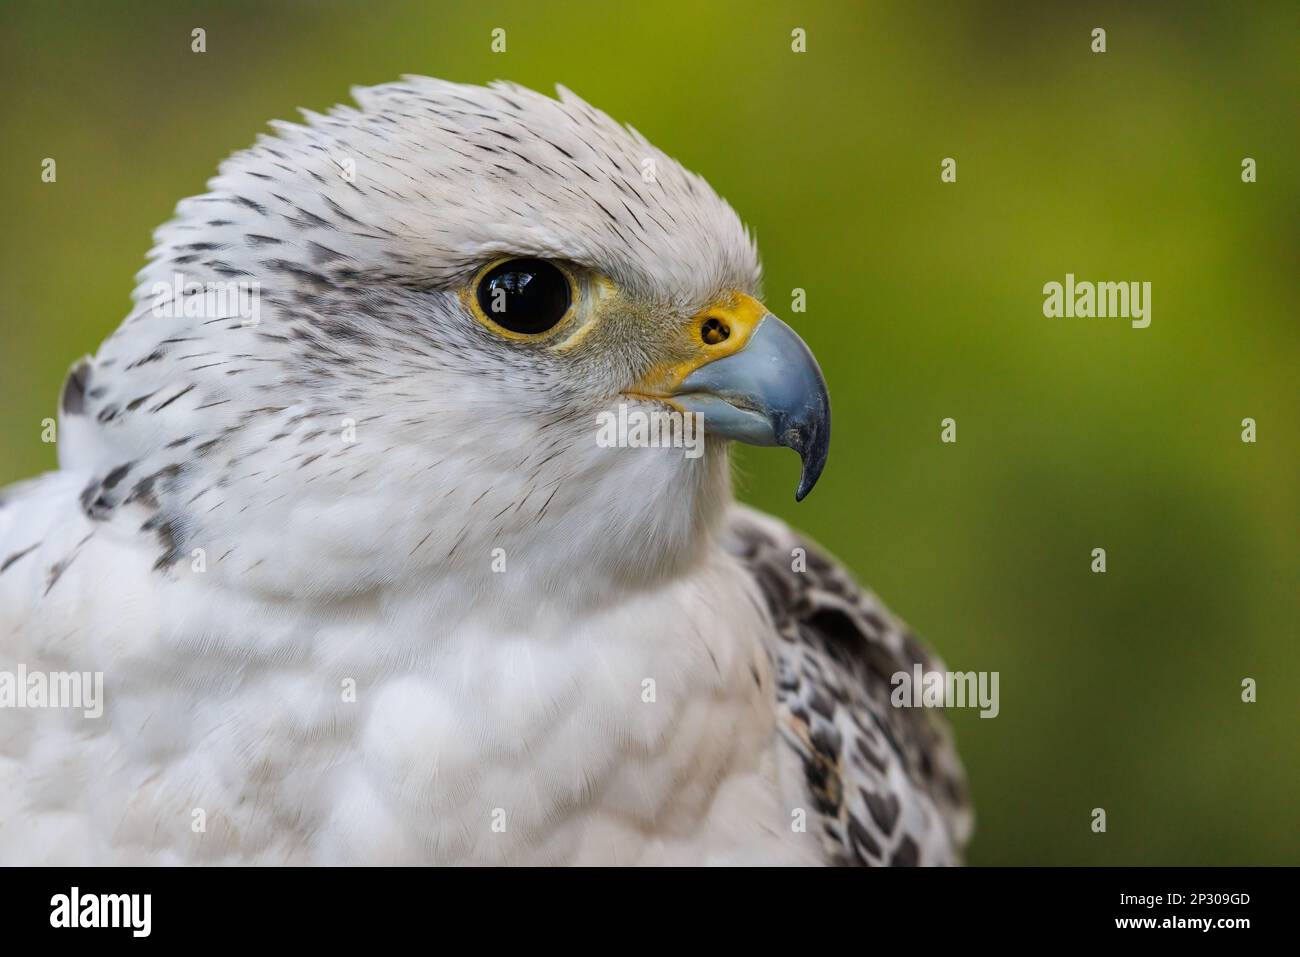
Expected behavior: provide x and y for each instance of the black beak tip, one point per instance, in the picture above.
(813, 445)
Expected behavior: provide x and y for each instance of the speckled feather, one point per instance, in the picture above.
(885, 783)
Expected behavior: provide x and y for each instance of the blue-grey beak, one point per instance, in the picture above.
(771, 392)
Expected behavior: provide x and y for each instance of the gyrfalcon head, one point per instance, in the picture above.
(448, 284)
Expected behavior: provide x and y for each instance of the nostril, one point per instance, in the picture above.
(714, 331)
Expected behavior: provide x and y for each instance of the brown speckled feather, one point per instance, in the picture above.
(884, 784)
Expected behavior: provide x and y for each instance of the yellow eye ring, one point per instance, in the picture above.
(522, 298)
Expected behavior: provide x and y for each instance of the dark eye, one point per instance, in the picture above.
(527, 296)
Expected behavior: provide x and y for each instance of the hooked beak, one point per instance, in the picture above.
(765, 389)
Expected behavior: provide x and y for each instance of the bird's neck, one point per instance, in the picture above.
(516, 538)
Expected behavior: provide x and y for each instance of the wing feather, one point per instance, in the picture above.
(885, 784)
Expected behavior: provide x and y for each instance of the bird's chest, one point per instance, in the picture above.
(607, 739)
(242, 732)
(640, 733)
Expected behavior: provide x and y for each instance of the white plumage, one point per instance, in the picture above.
(363, 587)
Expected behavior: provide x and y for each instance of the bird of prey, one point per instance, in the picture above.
(332, 525)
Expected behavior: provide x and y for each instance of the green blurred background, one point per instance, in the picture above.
(1119, 691)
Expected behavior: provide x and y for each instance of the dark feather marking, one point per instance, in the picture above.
(73, 400)
(56, 572)
(4, 566)
(167, 537)
(322, 254)
(906, 855)
(419, 543)
(341, 213)
(163, 405)
(884, 811)
(835, 649)
(61, 566)
(542, 511)
(114, 477)
(559, 149)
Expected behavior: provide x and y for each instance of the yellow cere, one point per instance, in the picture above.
(721, 330)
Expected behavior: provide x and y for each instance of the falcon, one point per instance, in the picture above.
(332, 527)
